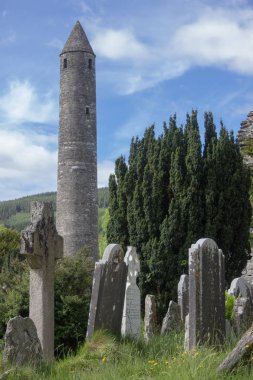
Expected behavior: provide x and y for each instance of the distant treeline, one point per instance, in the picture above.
(22, 205)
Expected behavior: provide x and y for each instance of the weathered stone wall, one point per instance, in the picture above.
(77, 159)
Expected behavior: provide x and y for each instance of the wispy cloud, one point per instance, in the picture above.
(105, 168)
(119, 44)
(152, 50)
(23, 104)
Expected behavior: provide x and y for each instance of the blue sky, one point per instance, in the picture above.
(154, 59)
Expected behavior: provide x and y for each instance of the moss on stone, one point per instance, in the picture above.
(247, 148)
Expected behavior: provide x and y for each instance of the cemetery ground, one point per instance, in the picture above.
(105, 357)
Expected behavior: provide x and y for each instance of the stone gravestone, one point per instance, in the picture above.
(108, 292)
(172, 320)
(206, 294)
(241, 354)
(150, 319)
(186, 335)
(243, 307)
(240, 287)
(183, 295)
(42, 245)
(22, 345)
(131, 320)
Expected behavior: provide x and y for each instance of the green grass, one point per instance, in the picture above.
(105, 358)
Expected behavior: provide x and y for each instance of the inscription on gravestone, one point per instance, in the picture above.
(108, 292)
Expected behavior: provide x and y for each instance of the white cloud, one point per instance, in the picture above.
(28, 156)
(25, 166)
(218, 38)
(105, 168)
(118, 44)
(153, 49)
(22, 104)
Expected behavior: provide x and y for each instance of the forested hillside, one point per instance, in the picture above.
(16, 213)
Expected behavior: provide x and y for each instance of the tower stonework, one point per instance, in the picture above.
(76, 216)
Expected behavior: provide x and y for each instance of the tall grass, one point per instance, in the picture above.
(106, 358)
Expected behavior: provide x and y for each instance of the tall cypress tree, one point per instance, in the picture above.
(117, 231)
(210, 132)
(173, 227)
(227, 202)
(113, 208)
(193, 198)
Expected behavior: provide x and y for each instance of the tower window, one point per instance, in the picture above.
(87, 110)
(65, 63)
(90, 63)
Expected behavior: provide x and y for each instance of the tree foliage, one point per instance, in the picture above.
(73, 280)
(173, 192)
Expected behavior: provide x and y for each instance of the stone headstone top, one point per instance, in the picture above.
(22, 345)
(35, 239)
(132, 261)
(113, 253)
(240, 287)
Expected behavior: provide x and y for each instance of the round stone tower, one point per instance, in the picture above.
(76, 215)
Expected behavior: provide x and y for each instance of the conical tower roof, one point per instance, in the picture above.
(77, 41)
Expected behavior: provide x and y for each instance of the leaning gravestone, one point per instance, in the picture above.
(172, 320)
(108, 292)
(206, 294)
(22, 345)
(183, 295)
(150, 319)
(131, 320)
(242, 352)
(42, 245)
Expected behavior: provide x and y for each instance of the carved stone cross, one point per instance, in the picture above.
(42, 245)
